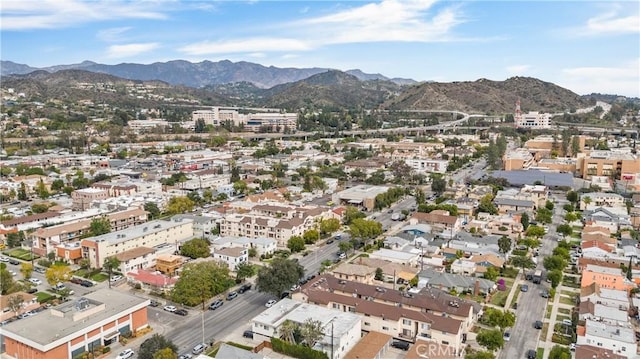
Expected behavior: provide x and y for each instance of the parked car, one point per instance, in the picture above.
(32, 290)
(572, 347)
(39, 270)
(115, 278)
(216, 304)
(13, 261)
(329, 241)
(506, 336)
(170, 308)
(537, 324)
(35, 281)
(245, 287)
(341, 255)
(524, 288)
(126, 354)
(544, 294)
(185, 356)
(4, 259)
(294, 287)
(86, 283)
(270, 303)
(400, 345)
(248, 334)
(232, 295)
(198, 349)
(75, 280)
(182, 312)
(154, 303)
(532, 354)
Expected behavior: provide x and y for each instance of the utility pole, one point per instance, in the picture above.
(332, 339)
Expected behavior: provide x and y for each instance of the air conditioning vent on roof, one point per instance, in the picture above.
(342, 281)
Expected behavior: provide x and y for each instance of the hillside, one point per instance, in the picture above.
(487, 96)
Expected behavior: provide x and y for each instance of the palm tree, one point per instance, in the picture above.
(286, 331)
(111, 263)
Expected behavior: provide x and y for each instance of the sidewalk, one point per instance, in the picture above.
(547, 342)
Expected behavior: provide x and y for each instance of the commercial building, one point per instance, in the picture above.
(616, 165)
(605, 277)
(69, 329)
(82, 198)
(533, 120)
(363, 196)
(518, 159)
(157, 233)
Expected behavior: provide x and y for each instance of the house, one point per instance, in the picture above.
(507, 205)
(608, 217)
(457, 282)
(341, 329)
(602, 313)
(405, 258)
(600, 199)
(232, 256)
(154, 281)
(594, 352)
(72, 328)
(441, 222)
(263, 246)
(29, 302)
(169, 263)
(373, 345)
(391, 271)
(608, 297)
(354, 272)
(595, 249)
(620, 340)
(136, 258)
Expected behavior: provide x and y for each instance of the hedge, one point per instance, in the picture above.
(296, 351)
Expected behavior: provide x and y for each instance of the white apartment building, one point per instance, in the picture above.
(262, 245)
(341, 329)
(600, 199)
(621, 340)
(231, 256)
(157, 233)
(427, 165)
(276, 121)
(534, 120)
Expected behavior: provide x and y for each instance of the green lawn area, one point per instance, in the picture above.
(564, 311)
(100, 277)
(540, 354)
(548, 314)
(545, 329)
(499, 298)
(44, 297)
(560, 318)
(20, 254)
(567, 300)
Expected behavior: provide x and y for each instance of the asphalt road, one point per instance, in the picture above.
(531, 305)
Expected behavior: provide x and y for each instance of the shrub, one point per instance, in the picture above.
(106, 350)
(241, 346)
(296, 351)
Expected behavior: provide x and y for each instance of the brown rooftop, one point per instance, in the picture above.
(134, 253)
(369, 346)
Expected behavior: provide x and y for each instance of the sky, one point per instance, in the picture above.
(585, 46)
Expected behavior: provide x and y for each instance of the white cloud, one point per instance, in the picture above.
(129, 50)
(245, 45)
(518, 69)
(51, 14)
(258, 55)
(112, 34)
(621, 80)
(613, 23)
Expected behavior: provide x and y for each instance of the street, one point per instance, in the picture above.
(531, 305)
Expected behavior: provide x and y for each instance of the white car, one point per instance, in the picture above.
(170, 308)
(4, 259)
(126, 354)
(35, 281)
(270, 303)
(116, 278)
(13, 273)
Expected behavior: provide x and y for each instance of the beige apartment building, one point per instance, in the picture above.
(155, 234)
(615, 165)
(519, 159)
(82, 198)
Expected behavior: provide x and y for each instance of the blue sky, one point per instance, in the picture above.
(585, 46)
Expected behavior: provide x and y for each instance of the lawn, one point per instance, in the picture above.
(560, 318)
(545, 329)
(20, 253)
(567, 300)
(548, 314)
(540, 353)
(100, 277)
(567, 293)
(564, 311)
(44, 297)
(499, 298)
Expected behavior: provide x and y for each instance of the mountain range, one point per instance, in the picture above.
(248, 84)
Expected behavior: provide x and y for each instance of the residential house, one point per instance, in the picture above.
(354, 272)
(608, 297)
(457, 282)
(136, 258)
(613, 218)
(232, 256)
(169, 264)
(405, 258)
(602, 313)
(341, 329)
(620, 340)
(29, 302)
(507, 205)
(263, 246)
(373, 345)
(441, 222)
(153, 281)
(594, 352)
(600, 199)
(595, 249)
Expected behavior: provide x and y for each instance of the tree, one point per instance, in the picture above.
(571, 217)
(311, 236)
(328, 226)
(57, 273)
(166, 353)
(345, 246)
(41, 190)
(253, 252)
(110, 264)
(152, 209)
(522, 262)
(15, 303)
(554, 263)
(504, 244)
(549, 205)
(279, 276)
(296, 244)
(244, 270)
(535, 231)
(7, 284)
(180, 204)
(491, 274)
(26, 269)
(555, 276)
(287, 331)
(365, 229)
(498, 318)
(575, 145)
(562, 252)
(100, 226)
(564, 229)
(486, 205)
(352, 213)
(22, 192)
(155, 344)
(572, 197)
(438, 184)
(490, 339)
(239, 187)
(196, 248)
(524, 220)
(560, 352)
(311, 331)
(201, 281)
(379, 274)
(544, 215)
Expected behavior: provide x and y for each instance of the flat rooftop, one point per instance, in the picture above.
(66, 320)
(139, 231)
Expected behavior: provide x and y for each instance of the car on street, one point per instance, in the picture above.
(116, 278)
(198, 349)
(13, 261)
(35, 281)
(32, 290)
(537, 324)
(506, 336)
(232, 295)
(39, 270)
(532, 354)
(75, 280)
(170, 308)
(4, 259)
(185, 356)
(341, 255)
(294, 287)
(154, 303)
(524, 288)
(216, 304)
(248, 334)
(400, 345)
(125, 354)
(329, 241)
(245, 287)
(544, 294)
(182, 312)
(270, 303)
